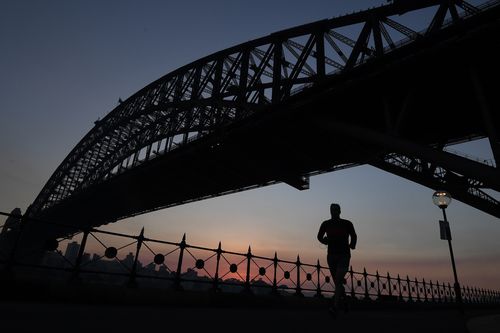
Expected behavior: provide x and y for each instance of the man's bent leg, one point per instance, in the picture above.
(332, 265)
(341, 270)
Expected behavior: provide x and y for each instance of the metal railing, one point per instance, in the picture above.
(179, 265)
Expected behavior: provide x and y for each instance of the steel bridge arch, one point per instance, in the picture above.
(230, 85)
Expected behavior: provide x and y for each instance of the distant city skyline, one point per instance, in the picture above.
(66, 64)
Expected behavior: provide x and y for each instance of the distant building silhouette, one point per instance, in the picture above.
(72, 251)
(96, 257)
(129, 260)
(85, 258)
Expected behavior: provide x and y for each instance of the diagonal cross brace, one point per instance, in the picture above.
(428, 174)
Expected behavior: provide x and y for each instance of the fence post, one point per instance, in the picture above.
(247, 279)
(76, 269)
(425, 290)
(216, 277)
(389, 284)
(353, 293)
(318, 288)
(439, 291)
(298, 290)
(378, 286)
(432, 291)
(132, 283)
(418, 291)
(399, 287)
(365, 275)
(182, 246)
(410, 298)
(275, 281)
(452, 290)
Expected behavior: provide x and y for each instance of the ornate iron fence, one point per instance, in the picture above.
(158, 263)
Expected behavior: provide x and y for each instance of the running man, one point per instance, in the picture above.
(337, 232)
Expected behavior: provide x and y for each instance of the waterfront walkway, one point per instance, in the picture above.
(63, 317)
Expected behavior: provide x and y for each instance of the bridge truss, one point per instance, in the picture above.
(234, 84)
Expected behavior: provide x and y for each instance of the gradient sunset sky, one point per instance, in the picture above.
(64, 64)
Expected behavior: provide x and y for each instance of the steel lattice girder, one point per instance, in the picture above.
(231, 85)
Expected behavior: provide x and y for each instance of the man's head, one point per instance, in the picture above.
(335, 210)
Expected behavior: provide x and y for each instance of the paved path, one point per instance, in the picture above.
(58, 317)
(484, 324)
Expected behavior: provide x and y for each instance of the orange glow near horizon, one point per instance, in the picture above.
(430, 269)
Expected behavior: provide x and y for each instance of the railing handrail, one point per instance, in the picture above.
(305, 280)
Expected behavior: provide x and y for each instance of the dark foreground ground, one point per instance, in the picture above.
(59, 317)
(83, 309)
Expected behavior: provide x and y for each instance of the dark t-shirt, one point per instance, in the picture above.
(337, 233)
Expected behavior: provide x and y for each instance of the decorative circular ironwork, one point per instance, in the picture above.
(327, 279)
(111, 252)
(287, 275)
(262, 271)
(309, 276)
(51, 245)
(233, 268)
(359, 283)
(200, 263)
(159, 259)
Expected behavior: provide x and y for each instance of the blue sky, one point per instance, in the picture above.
(64, 64)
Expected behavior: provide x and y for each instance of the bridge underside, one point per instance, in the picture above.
(395, 113)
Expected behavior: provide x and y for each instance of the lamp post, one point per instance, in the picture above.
(442, 199)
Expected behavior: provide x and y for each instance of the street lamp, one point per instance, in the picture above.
(442, 199)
